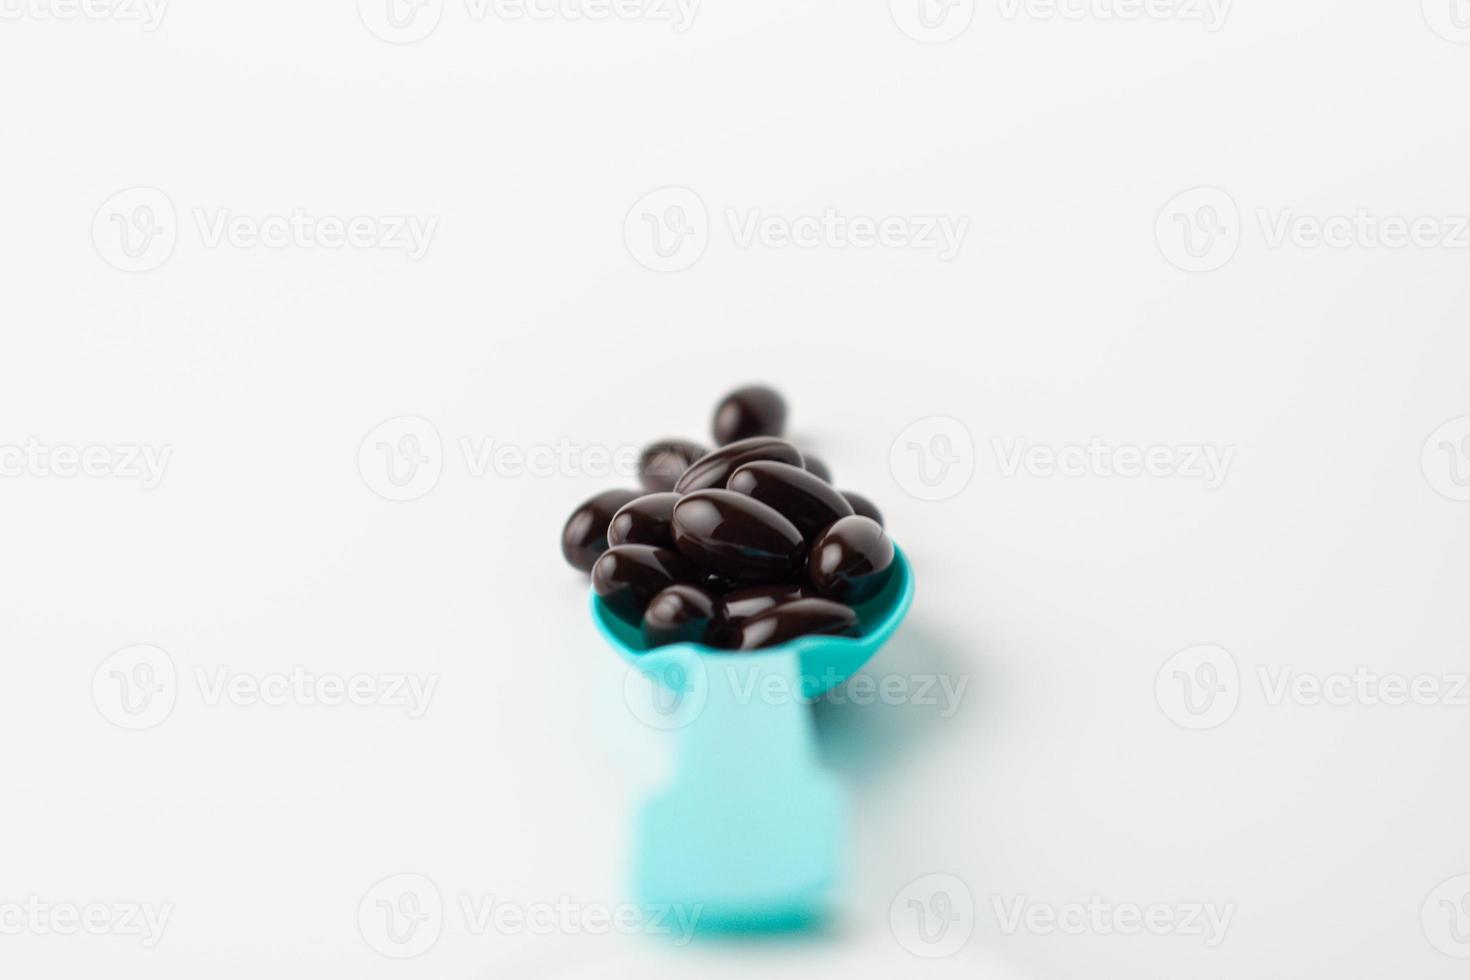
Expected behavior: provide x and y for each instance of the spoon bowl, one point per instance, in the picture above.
(826, 661)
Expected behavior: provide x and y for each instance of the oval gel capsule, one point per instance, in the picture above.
(754, 410)
(678, 614)
(802, 498)
(713, 470)
(863, 506)
(645, 520)
(662, 463)
(736, 607)
(789, 620)
(627, 576)
(584, 536)
(737, 537)
(851, 561)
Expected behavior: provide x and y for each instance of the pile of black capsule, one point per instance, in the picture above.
(738, 548)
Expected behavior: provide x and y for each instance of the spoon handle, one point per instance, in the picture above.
(749, 833)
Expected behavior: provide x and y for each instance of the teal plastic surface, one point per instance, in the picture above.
(750, 833)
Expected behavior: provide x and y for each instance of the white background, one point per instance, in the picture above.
(1334, 542)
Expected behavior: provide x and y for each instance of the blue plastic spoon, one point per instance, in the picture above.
(751, 831)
